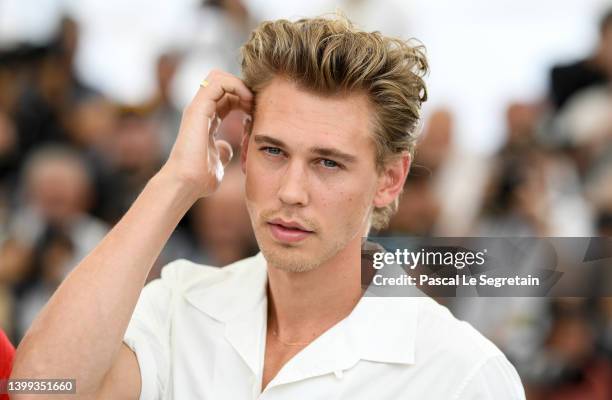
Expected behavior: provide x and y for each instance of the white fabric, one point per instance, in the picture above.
(199, 332)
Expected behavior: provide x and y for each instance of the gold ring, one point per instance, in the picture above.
(204, 83)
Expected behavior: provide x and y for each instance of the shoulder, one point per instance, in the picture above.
(439, 330)
(219, 292)
(208, 288)
(183, 278)
(184, 275)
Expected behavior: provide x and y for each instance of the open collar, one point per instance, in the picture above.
(379, 329)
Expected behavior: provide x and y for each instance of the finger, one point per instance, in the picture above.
(213, 126)
(220, 84)
(228, 103)
(232, 84)
(220, 93)
(225, 151)
(204, 104)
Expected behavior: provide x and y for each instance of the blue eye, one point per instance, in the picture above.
(329, 163)
(275, 151)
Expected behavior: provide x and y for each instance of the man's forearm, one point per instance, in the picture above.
(80, 330)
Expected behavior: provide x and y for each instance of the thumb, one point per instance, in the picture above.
(225, 151)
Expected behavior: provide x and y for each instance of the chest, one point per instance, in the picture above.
(276, 355)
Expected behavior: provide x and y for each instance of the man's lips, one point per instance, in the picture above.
(289, 224)
(288, 231)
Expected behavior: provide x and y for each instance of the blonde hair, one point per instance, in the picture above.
(330, 56)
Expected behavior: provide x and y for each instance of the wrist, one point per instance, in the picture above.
(185, 191)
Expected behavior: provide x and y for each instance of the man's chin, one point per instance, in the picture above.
(289, 257)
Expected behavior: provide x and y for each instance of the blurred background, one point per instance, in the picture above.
(516, 141)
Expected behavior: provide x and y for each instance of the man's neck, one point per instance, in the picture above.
(303, 305)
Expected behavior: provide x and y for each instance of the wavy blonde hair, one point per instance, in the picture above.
(330, 56)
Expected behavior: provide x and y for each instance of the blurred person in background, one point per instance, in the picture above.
(568, 80)
(8, 149)
(597, 186)
(123, 150)
(15, 269)
(91, 125)
(451, 170)
(582, 122)
(418, 207)
(221, 223)
(569, 365)
(516, 201)
(47, 98)
(604, 289)
(604, 222)
(57, 192)
(582, 129)
(92, 129)
(165, 114)
(522, 124)
(604, 306)
(534, 189)
(53, 214)
(136, 156)
(52, 256)
(8, 168)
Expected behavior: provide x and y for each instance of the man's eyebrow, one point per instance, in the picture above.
(320, 151)
(333, 153)
(268, 139)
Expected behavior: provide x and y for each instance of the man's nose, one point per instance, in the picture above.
(293, 188)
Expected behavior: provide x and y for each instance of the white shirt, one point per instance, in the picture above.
(200, 333)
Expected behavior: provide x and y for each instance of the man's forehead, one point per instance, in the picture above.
(286, 111)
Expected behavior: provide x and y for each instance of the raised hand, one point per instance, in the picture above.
(197, 158)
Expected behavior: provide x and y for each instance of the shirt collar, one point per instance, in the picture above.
(232, 290)
(379, 329)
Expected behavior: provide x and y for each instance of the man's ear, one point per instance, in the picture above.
(391, 180)
(244, 144)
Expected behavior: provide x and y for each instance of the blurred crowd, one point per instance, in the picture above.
(551, 178)
(72, 161)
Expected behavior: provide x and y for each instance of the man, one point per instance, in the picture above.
(334, 113)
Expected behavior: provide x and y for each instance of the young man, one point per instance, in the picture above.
(334, 114)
